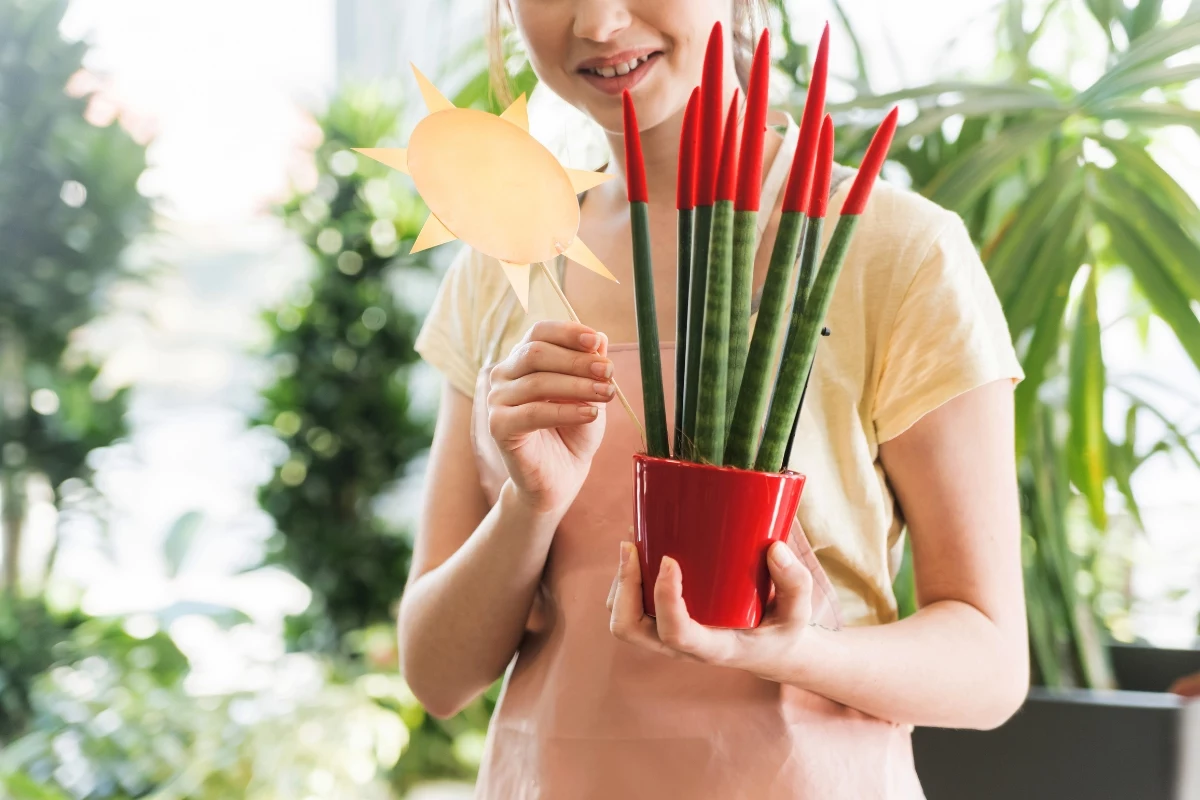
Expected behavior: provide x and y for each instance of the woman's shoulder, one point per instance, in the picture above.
(901, 223)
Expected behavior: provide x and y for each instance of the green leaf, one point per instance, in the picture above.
(179, 540)
(1011, 253)
(1122, 463)
(1136, 166)
(932, 119)
(1144, 18)
(1155, 46)
(1047, 337)
(1150, 115)
(1137, 80)
(1104, 11)
(1165, 296)
(1087, 445)
(933, 95)
(969, 175)
(1178, 254)
(1058, 258)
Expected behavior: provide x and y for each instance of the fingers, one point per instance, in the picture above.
(571, 335)
(550, 386)
(675, 627)
(505, 422)
(538, 356)
(629, 622)
(793, 586)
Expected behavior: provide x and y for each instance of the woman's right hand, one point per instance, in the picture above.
(546, 410)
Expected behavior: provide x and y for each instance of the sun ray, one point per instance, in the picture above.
(518, 113)
(434, 100)
(432, 234)
(584, 179)
(581, 255)
(518, 277)
(394, 157)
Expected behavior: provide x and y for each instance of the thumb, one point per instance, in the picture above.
(793, 585)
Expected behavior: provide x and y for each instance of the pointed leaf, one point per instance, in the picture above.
(1178, 254)
(1167, 298)
(1059, 251)
(1132, 83)
(1140, 169)
(1144, 18)
(1011, 253)
(1150, 115)
(970, 175)
(1122, 463)
(1087, 448)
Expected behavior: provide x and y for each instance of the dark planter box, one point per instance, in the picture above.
(1079, 744)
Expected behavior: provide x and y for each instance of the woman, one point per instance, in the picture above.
(528, 511)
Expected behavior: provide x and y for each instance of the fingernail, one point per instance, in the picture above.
(782, 555)
(589, 412)
(588, 341)
(603, 389)
(602, 369)
(624, 553)
(666, 566)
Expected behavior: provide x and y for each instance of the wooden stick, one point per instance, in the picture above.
(575, 318)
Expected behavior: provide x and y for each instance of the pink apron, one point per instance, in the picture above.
(584, 716)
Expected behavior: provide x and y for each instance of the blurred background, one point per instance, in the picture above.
(213, 425)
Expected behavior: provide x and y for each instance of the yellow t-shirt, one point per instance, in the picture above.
(915, 322)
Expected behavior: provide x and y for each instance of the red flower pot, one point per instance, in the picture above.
(718, 523)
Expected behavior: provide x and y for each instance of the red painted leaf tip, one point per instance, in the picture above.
(872, 163)
(685, 183)
(823, 172)
(711, 117)
(799, 186)
(635, 166)
(749, 179)
(728, 175)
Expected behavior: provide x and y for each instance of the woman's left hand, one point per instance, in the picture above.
(771, 650)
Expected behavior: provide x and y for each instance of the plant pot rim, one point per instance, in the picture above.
(787, 475)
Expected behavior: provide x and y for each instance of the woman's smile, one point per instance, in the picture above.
(625, 70)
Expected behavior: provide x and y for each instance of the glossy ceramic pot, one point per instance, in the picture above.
(718, 523)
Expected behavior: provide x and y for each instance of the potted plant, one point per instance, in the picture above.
(719, 498)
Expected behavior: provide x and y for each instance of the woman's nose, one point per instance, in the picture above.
(600, 20)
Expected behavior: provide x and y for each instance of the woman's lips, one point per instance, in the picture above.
(620, 83)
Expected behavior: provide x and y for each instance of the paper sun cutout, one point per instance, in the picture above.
(488, 182)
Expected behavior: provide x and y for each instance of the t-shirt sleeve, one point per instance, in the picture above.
(449, 339)
(949, 335)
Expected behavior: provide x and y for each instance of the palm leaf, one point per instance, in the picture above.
(1165, 296)
(1087, 445)
(968, 176)
(1150, 115)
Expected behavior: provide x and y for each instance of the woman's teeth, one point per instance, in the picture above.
(619, 69)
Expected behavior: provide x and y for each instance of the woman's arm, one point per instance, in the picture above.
(962, 660)
(475, 572)
(473, 576)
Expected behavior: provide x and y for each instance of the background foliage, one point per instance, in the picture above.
(1067, 205)
(69, 205)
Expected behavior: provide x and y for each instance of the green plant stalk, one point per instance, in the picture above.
(745, 228)
(808, 266)
(683, 280)
(647, 332)
(695, 326)
(801, 347)
(768, 331)
(714, 347)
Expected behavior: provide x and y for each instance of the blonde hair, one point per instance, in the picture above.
(749, 18)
